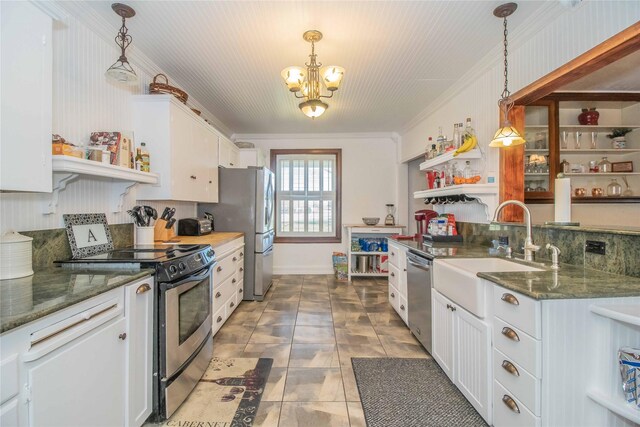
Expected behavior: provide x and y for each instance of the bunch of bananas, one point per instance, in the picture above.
(469, 141)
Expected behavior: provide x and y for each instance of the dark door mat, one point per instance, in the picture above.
(410, 392)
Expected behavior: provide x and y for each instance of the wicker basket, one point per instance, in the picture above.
(166, 88)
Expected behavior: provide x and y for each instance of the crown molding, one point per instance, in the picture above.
(538, 20)
(281, 136)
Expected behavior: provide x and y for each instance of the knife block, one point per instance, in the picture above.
(161, 233)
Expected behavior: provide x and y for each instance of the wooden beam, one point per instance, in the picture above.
(512, 170)
(612, 49)
(593, 96)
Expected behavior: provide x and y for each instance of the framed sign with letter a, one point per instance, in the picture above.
(88, 234)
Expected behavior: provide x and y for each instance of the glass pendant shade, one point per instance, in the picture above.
(293, 77)
(313, 108)
(332, 76)
(506, 136)
(122, 72)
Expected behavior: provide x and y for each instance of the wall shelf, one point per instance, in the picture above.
(596, 127)
(67, 169)
(447, 157)
(485, 194)
(612, 151)
(617, 406)
(626, 313)
(602, 175)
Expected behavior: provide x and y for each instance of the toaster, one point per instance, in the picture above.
(194, 227)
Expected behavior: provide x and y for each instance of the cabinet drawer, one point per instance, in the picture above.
(394, 253)
(503, 415)
(223, 292)
(9, 414)
(218, 320)
(231, 305)
(9, 375)
(394, 276)
(520, 311)
(520, 383)
(394, 298)
(522, 349)
(225, 268)
(238, 257)
(240, 291)
(402, 309)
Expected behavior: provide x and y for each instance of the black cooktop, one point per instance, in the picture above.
(143, 253)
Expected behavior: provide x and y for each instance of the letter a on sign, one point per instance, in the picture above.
(91, 237)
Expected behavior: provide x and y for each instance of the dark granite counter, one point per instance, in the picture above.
(568, 282)
(52, 289)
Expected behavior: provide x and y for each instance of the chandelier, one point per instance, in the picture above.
(507, 135)
(121, 71)
(307, 82)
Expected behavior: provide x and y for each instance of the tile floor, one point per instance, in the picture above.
(311, 326)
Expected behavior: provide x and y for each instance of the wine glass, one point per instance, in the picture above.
(577, 144)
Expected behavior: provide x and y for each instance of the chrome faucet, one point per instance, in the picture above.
(529, 247)
(555, 251)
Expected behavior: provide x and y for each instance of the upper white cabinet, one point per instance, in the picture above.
(229, 154)
(26, 86)
(183, 149)
(252, 157)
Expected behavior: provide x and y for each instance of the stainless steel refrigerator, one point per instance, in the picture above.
(246, 204)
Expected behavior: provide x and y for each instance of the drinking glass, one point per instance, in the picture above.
(577, 144)
(594, 140)
(565, 140)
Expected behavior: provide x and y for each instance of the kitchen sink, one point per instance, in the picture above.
(456, 279)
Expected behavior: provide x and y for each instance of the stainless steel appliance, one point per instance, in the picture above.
(182, 315)
(419, 283)
(194, 226)
(246, 204)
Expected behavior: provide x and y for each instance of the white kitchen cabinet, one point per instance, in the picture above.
(375, 258)
(462, 346)
(27, 100)
(183, 149)
(229, 153)
(397, 262)
(227, 281)
(139, 366)
(252, 157)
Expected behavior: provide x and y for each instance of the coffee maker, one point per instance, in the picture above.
(422, 218)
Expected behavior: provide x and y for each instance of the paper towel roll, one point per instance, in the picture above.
(562, 208)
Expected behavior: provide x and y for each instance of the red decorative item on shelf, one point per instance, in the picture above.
(589, 117)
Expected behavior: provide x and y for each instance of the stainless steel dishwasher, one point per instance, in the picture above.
(419, 284)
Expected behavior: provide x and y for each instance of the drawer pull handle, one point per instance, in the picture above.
(235, 259)
(122, 336)
(232, 304)
(233, 280)
(193, 177)
(393, 295)
(510, 333)
(392, 274)
(241, 254)
(218, 294)
(450, 307)
(393, 254)
(219, 319)
(509, 367)
(240, 290)
(402, 307)
(219, 269)
(241, 269)
(510, 298)
(511, 404)
(143, 288)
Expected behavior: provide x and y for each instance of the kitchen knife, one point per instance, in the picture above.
(165, 212)
(170, 223)
(172, 212)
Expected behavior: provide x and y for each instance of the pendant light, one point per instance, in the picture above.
(507, 135)
(121, 71)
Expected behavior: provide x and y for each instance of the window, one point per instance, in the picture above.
(307, 195)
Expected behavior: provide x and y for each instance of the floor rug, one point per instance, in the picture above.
(410, 392)
(228, 395)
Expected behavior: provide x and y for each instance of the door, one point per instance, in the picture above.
(473, 364)
(81, 383)
(265, 205)
(264, 273)
(442, 331)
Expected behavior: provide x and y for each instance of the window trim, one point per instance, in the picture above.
(338, 209)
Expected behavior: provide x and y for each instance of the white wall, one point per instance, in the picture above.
(369, 182)
(551, 37)
(84, 101)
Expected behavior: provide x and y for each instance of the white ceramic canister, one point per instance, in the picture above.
(16, 252)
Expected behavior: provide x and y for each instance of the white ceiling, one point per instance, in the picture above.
(399, 55)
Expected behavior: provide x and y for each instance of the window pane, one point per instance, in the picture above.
(314, 216)
(298, 175)
(284, 175)
(285, 217)
(298, 215)
(314, 175)
(327, 216)
(327, 175)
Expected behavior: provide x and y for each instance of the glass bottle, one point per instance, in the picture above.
(614, 189)
(604, 165)
(434, 151)
(456, 136)
(466, 172)
(440, 141)
(565, 166)
(138, 159)
(146, 163)
(428, 153)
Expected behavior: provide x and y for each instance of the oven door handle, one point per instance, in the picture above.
(204, 275)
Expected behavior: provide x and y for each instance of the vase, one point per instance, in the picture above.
(588, 117)
(619, 142)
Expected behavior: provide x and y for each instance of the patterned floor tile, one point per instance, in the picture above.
(314, 414)
(278, 352)
(314, 385)
(314, 335)
(272, 334)
(314, 356)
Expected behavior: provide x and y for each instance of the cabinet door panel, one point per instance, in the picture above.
(82, 383)
(473, 365)
(182, 153)
(442, 333)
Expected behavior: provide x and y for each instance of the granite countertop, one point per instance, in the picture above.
(51, 289)
(214, 239)
(568, 282)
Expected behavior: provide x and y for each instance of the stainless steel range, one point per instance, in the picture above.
(182, 318)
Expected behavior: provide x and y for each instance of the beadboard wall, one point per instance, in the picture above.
(552, 36)
(85, 101)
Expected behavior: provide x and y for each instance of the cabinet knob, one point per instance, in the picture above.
(393, 254)
(193, 177)
(511, 404)
(241, 269)
(241, 254)
(232, 304)
(393, 295)
(509, 367)
(233, 280)
(450, 307)
(510, 298)
(240, 290)
(219, 269)
(143, 288)
(122, 336)
(231, 163)
(235, 259)
(402, 307)
(219, 319)
(210, 182)
(218, 294)
(392, 274)
(510, 333)
(418, 331)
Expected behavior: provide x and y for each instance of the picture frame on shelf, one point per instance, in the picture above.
(622, 166)
(88, 234)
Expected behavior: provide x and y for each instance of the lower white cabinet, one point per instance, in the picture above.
(227, 281)
(398, 279)
(88, 364)
(461, 346)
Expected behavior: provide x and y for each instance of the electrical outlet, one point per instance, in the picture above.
(595, 247)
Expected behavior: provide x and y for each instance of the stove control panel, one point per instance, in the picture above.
(182, 266)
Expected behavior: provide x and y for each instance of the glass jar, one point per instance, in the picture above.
(565, 166)
(614, 189)
(604, 166)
